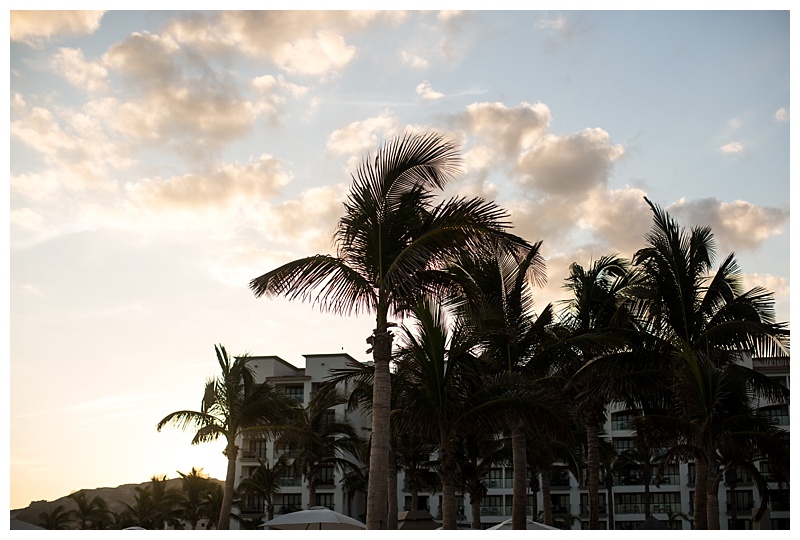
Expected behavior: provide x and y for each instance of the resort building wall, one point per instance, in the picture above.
(673, 498)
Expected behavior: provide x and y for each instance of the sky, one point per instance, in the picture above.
(160, 160)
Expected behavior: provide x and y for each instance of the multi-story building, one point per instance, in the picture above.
(672, 501)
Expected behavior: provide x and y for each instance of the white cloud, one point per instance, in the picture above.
(37, 27)
(782, 115)
(221, 187)
(414, 61)
(325, 53)
(736, 225)
(508, 129)
(272, 93)
(733, 147)
(88, 76)
(356, 138)
(427, 93)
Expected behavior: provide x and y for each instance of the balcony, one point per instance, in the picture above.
(289, 481)
(628, 509)
(287, 509)
(492, 511)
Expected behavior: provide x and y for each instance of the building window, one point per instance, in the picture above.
(624, 443)
(628, 503)
(663, 502)
(294, 392)
(779, 414)
(325, 477)
(325, 499)
(670, 476)
(559, 477)
(622, 420)
(601, 507)
(494, 478)
(258, 448)
(290, 503)
(561, 504)
(742, 501)
(492, 505)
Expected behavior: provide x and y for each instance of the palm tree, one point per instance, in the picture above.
(590, 312)
(232, 403)
(55, 519)
(90, 513)
(194, 486)
(388, 243)
(698, 324)
(475, 455)
(265, 482)
(320, 439)
(212, 505)
(498, 299)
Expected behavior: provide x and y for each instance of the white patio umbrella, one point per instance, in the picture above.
(315, 518)
(532, 526)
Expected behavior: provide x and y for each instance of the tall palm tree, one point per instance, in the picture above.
(590, 312)
(388, 242)
(320, 438)
(232, 403)
(265, 481)
(498, 300)
(698, 323)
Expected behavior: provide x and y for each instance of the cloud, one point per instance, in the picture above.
(89, 76)
(414, 61)
(733, 147)
(357, 138)
(299, 42)
(37, 27)
(272, 93)
(77, 151)
(324, 53)
(427, 93)
(222, 187)
(738, 225)
(777, 285)
(508, 129)
(187, 107)
(782, 115)
(559, 31)
(570, 164)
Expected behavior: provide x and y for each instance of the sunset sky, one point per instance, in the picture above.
(159, 160)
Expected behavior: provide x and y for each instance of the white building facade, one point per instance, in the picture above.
(673, 498)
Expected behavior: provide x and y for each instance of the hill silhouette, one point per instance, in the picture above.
(114, 497)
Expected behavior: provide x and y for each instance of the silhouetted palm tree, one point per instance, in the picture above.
(194, 486)
(55, 519)
(90, 513)
(389, 241)
(232, 403)
(265, 482)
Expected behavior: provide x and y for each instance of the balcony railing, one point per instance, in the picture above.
(287, 509)
(492, 511)
(287, 481)
(628, 509)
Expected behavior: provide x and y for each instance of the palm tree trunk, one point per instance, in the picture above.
(377, 491)
(535, 488)
(713, 503)
(593, 463)
(231, 451)
(646, 480)
(446, 473)
(519, 459)
(312, 491)
(414, 498)
(475, 508)
(700, 517)
(547, 500)
(391, 486)
(610, 499)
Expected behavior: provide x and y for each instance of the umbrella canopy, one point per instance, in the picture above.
(532, 526)
(316, 518)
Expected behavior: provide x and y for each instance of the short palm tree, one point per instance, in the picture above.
(232, 404)
(55, 519)
(265, 482)
(476, 454)
(390, 240)
(91, 513)
(320, 439)
(194, 486)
